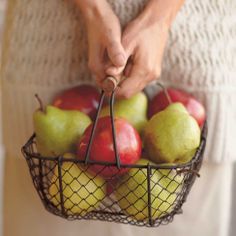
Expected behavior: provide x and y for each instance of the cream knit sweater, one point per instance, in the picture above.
(45, 51)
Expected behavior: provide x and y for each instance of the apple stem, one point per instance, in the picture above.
(41, 107)
(166, 92)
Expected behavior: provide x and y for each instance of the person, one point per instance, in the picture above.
(52, 45)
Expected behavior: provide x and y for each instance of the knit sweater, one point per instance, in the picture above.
(45, 51)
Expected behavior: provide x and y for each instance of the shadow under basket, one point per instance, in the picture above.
(151, 196)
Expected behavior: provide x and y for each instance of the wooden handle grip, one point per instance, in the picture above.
(109, 84)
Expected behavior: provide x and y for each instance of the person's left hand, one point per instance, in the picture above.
(144, 43)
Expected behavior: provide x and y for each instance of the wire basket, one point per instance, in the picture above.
(150, 195)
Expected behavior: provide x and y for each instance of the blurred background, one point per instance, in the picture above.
(2, 11)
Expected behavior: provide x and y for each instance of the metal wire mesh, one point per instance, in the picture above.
(149, 196)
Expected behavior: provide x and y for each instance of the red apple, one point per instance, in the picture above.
(84, 98)
(194, 107)
(128, 144)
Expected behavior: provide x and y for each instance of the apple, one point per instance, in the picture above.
(193, 106)
(84, 98)
(134, 110)
(102, 150)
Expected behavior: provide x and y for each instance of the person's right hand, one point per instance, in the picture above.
(104, 38)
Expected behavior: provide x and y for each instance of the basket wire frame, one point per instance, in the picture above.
(152, 195)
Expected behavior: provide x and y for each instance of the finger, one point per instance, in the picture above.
(116, 53)
(129, 49)
(134, 83)
(95, 62)
(128, 69)
(98, 81)
(112, 70)
(115, 71)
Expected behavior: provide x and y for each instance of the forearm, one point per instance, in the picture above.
(162, 11)
(91, 8)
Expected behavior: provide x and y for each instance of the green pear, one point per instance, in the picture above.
(172, 135)
(57, 131)
(82, 192)
(133, 109)
(178, 107)
(132, 192)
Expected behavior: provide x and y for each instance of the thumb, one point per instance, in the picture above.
(116, 53)
(128, 49)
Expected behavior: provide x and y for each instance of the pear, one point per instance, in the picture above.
(178, 107)
(69, 155)
(132, 192)
(58, 131)
(172, 135)
(133, 110)
(82, 191)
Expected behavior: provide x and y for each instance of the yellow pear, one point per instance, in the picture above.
(82, 192)
(132, 192)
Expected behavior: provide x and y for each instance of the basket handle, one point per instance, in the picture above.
(109, 84)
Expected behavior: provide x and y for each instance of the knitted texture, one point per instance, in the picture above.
(45, 51)
(201, 58)
(202, 44)
(47, 42)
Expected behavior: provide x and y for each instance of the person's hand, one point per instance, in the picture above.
(104, 38)
(144, 41)
(144, 45)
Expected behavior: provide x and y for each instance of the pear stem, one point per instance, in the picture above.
(166, 92)
(41, 107)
